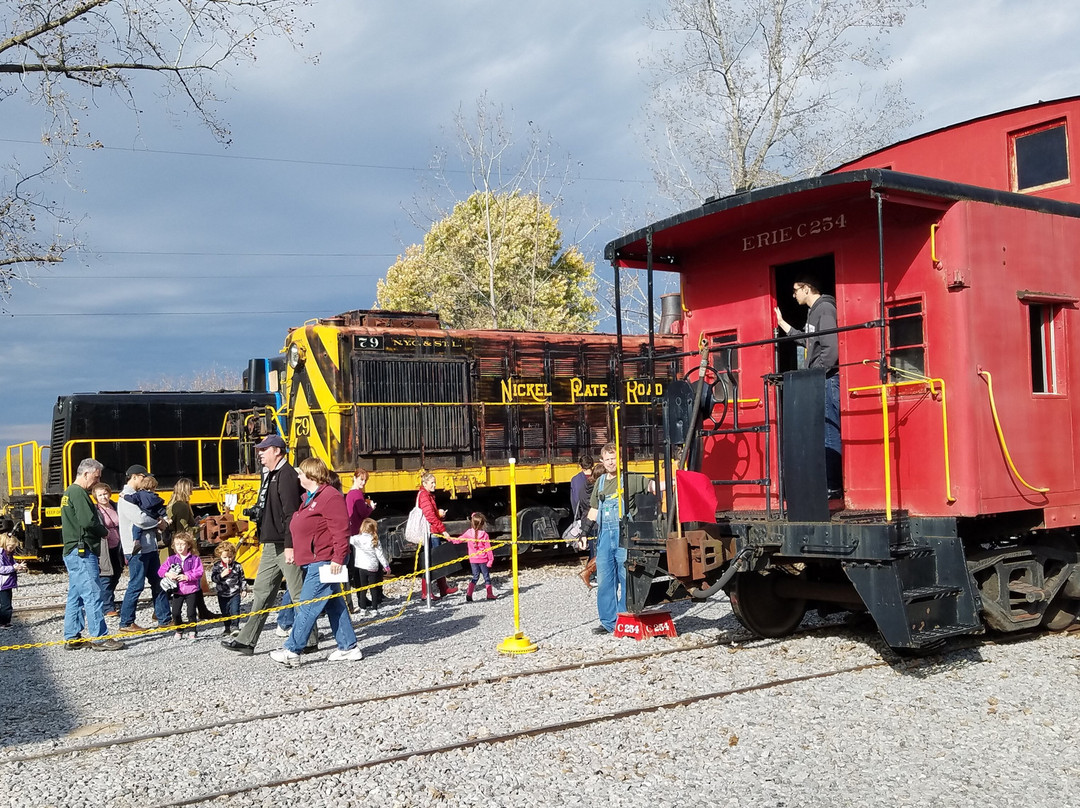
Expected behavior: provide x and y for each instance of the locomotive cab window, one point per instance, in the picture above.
(1040, 157)
(907, 346)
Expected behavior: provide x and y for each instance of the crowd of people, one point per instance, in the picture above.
(314, 538)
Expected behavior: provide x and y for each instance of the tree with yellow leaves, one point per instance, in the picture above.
(496, 261)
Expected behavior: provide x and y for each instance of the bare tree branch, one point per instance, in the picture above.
(59, 52)
(758, 91)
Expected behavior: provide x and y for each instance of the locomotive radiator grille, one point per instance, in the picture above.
(397, 429)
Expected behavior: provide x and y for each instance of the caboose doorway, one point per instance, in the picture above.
(823, 269)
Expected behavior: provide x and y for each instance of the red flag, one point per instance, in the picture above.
(696, 495)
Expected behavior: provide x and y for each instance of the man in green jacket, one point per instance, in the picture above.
(83, 531)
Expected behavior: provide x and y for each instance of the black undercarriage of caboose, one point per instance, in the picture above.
(922, 579)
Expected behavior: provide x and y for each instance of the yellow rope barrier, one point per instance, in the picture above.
(416, 573)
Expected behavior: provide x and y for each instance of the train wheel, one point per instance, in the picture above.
(760, 609)
(1061, 613)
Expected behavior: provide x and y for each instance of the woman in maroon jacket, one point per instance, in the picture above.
(425, 500)
(320, 538)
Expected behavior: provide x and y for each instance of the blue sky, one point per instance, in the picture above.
(199, 255)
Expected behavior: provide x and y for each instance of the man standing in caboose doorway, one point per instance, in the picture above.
(822, 352)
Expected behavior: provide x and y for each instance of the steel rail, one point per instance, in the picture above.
(906, 663)
(736, 636)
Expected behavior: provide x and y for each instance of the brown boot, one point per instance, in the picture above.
(588, 573)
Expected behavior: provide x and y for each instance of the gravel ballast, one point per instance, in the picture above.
(991, 725)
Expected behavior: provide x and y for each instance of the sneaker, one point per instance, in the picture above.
(352, 655)
(285, 657)
(240, 648)
(178, 636)
(133, 628)
(281, 632)
(236, 632)
(76, 644)
(191, 636)
(107, 645)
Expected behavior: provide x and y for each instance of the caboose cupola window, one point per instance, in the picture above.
(1040, 157)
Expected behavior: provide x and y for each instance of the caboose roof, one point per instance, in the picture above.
(685, 231)
(1010, 117)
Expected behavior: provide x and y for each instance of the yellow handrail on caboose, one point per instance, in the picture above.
(882, 390)
(1001, 435)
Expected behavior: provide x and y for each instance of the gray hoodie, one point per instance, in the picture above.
(129, 514)
(821, 352)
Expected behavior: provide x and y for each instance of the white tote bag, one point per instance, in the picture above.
(417, 528)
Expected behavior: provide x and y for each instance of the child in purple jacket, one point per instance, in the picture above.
(181, 576)
(9, 576)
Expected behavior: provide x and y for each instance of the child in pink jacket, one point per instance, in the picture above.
(181, 576)
(480, 556)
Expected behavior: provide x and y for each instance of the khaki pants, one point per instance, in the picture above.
(272, 568)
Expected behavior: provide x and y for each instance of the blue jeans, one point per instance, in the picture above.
(478, 570)
(84, 592)
(286, 617)
(230, 607)
(142, 570)
(306, 615)
(610, 566)
(109, 582)
(833, 462)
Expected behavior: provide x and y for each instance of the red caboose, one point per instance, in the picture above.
(953, 258)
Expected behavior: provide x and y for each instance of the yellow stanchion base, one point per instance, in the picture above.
(518, 644)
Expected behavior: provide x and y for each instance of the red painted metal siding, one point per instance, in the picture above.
(973, 320)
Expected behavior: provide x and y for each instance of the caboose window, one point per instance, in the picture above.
(907, 347)
(723, 358)
(1040, 157)
(1043, 364)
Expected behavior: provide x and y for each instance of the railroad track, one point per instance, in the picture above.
(421, 696)
(905, 663)
(529, 732)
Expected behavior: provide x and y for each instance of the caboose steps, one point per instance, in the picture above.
(929, 593)
(924, 593)
(925, 639)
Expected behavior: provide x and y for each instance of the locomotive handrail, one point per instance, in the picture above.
(35, 469)
(1001, 435)
(882, 389)
(344, 406)
(67, 462)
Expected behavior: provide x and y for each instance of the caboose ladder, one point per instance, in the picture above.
(924, 593)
